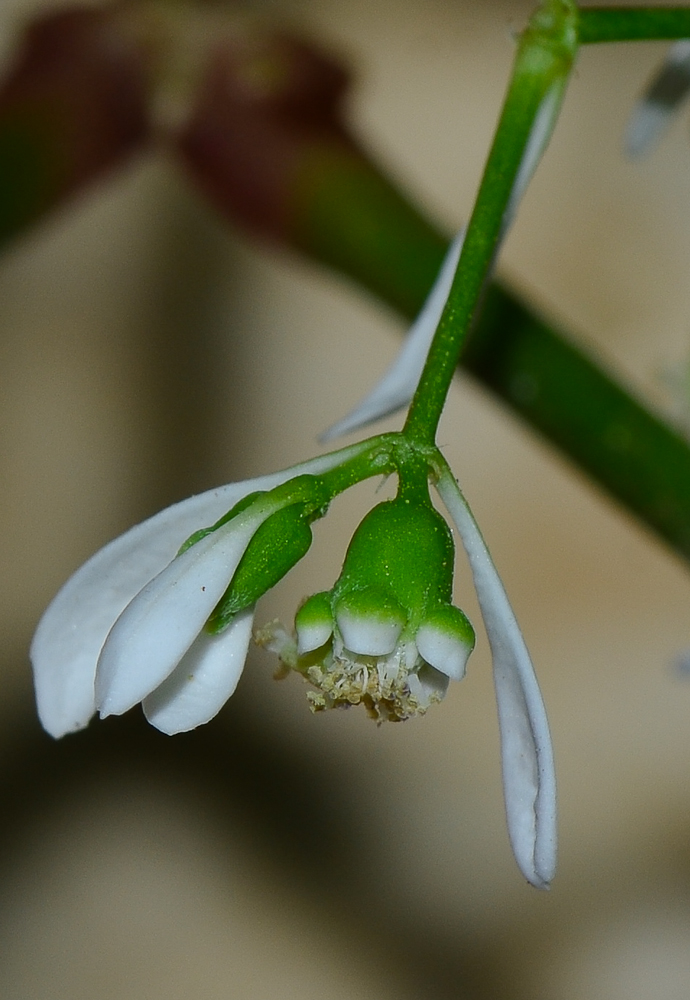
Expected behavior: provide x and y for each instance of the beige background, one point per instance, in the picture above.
(146, 353)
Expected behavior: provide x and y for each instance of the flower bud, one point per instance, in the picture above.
(314, 623)
(386, 636)
(280, 541)
(403, 547)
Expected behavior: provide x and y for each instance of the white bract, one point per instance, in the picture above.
(128, 627)
(396, 387)
(529, 780)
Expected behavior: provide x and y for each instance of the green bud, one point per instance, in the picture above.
(386, 636)
(314, 622)
(280, 542)
(405, 549)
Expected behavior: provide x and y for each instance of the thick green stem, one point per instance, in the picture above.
(541, 70)
(630, 24)
(580, 408)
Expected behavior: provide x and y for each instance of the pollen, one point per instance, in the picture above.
(387, 686)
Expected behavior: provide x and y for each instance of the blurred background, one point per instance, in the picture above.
(148, 351)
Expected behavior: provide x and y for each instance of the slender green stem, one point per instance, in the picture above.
(542, 65)
(378, 459)
(630, 24)
(359, 223)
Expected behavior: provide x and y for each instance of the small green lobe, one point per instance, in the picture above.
(315, 611)
(453, 622)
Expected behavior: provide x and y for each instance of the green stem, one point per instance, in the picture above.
(379, 459)
(413, 478)
(630, 24)
(542, 65)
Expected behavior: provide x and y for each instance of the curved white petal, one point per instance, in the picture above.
(527, 757)
(203, 680)
(442, 651)
(160, 624)
(397, 386)
(72, 630)
(537, 141)
(428, 684)
(368, 636)
(656, 108)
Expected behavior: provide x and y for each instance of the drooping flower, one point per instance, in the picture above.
(386, 636)
(163, 616)
(129, 626)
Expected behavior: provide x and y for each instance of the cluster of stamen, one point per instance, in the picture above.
(388, 687)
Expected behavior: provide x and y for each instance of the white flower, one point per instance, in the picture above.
(387, 637)
(366, 653)
(128, 626)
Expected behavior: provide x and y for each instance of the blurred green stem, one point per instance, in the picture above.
(630, 24)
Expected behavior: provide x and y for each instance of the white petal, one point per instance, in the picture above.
(443, 651)
(312, 636)
(538, 140)
(428, 684)
(397, 386)
(655, 110)
(203, 680)
(527, 757)
(71, 633)
(73, 629)
(368, 636)
(160, 624)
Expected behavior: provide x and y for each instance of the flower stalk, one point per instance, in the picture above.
(543, 62)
